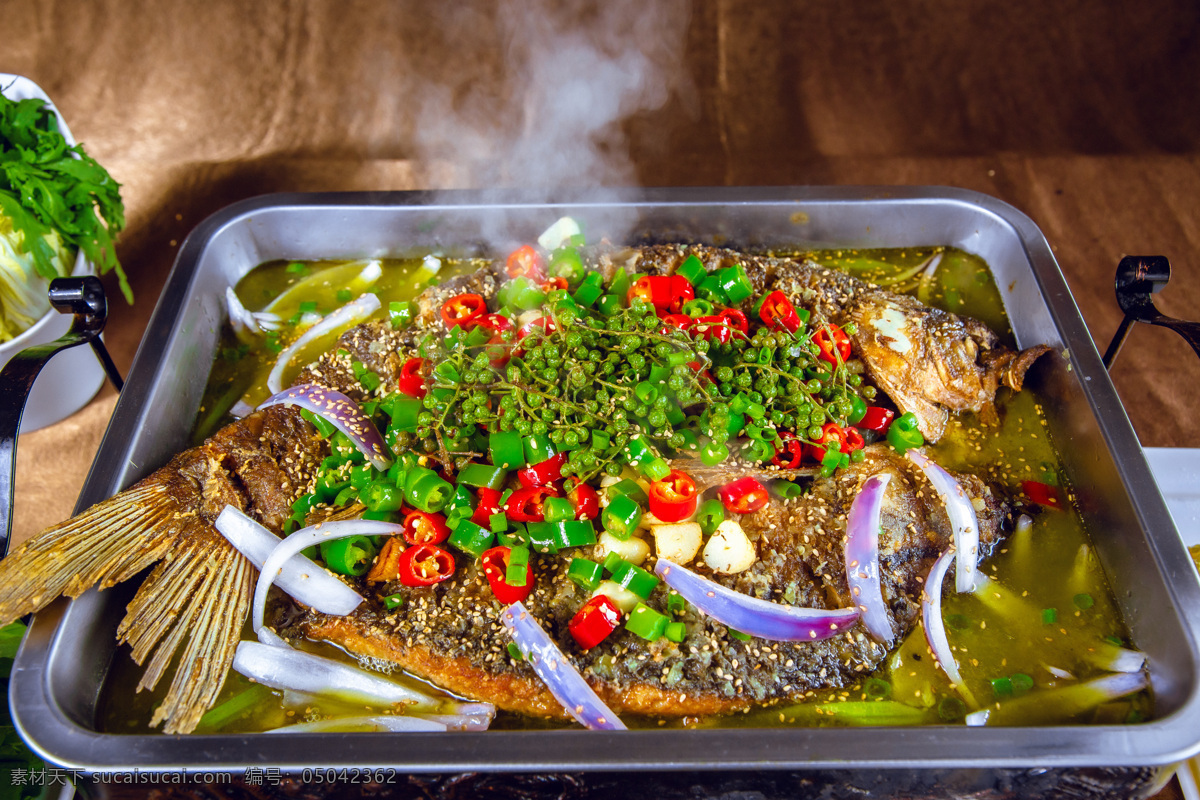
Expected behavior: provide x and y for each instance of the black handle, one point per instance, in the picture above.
(1137, 278)
(83, 297)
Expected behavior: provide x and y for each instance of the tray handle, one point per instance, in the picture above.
(83, 297)
(1137, 278)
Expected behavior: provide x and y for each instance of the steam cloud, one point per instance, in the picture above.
(540, 102)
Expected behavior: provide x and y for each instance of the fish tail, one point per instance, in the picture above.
(196, 597)
(108, 543)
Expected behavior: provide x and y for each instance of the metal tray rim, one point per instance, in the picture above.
(1175, 737)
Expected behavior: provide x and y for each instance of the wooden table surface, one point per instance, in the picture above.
(1083, 115)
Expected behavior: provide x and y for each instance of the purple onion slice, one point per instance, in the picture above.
(354, 311)
(560, 676)
(343, 413)
(307, 537)
(862, 557)
(749, 615)
(935, 630)
(962, 519)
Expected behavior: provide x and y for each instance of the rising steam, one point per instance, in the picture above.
(538, 91)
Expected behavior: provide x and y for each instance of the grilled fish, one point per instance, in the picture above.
(195, 600)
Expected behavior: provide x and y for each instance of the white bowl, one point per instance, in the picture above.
(72, 377)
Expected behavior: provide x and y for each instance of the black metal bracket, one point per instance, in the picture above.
(1137, 278)
(83, 297)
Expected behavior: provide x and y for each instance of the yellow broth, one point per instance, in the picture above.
(1049, 607)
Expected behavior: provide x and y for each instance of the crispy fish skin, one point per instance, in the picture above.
(451, 633)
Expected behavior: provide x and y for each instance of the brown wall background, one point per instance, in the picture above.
(1083, 114)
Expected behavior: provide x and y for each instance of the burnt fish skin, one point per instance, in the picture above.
(192, 607)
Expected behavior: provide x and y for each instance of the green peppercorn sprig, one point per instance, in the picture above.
(591, 382)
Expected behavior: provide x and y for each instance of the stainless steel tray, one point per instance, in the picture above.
(55, 682)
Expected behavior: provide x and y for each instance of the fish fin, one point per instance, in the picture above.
(110, 542)
(202, 595)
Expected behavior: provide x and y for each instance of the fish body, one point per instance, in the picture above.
(451, 633)
(192, 606)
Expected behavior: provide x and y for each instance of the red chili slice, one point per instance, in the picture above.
(743, 496)
(541, 323)
(487, 505)
(834, 344)
(495, 567)
(673, 498)
(681, 321)
(713, 327)
(543, 473)
(876, 419)
(664, 292)
(789, 452)
(425, 528)
(410, 381)
(425, 565)
(586, 500)
(1042, 493)
(525, 262)
(778, 313)
(463, 310)
(498, 350)
(852, 440)
(831, 434)
(736, 319)
(596, 620)
(557, 282)
(525, 505)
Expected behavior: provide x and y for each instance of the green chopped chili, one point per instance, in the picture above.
(506, 449)
(401, 313)
(692, 268)
(349, 556)
(675, 631)
(483, 475)
(710, 514)
(471, 538)
(557, 509)
(646, 622)
(393, 601)
(903, 434)
(621, 517)
(635, 579)
(585, 572)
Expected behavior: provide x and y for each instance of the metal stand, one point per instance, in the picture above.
(83, 297)
(1137, 278)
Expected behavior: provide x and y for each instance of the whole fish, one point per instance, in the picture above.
(194, 602)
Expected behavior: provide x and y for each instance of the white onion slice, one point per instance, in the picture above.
(749, 615)
(862, 557)
(354, 311)
(241, 409)
(288, 668)
(375, 724)
(962, 519)
(343, 413)
(304, 538)
(560, 676)
(563, 229)
(935, 630)
(300, 577)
